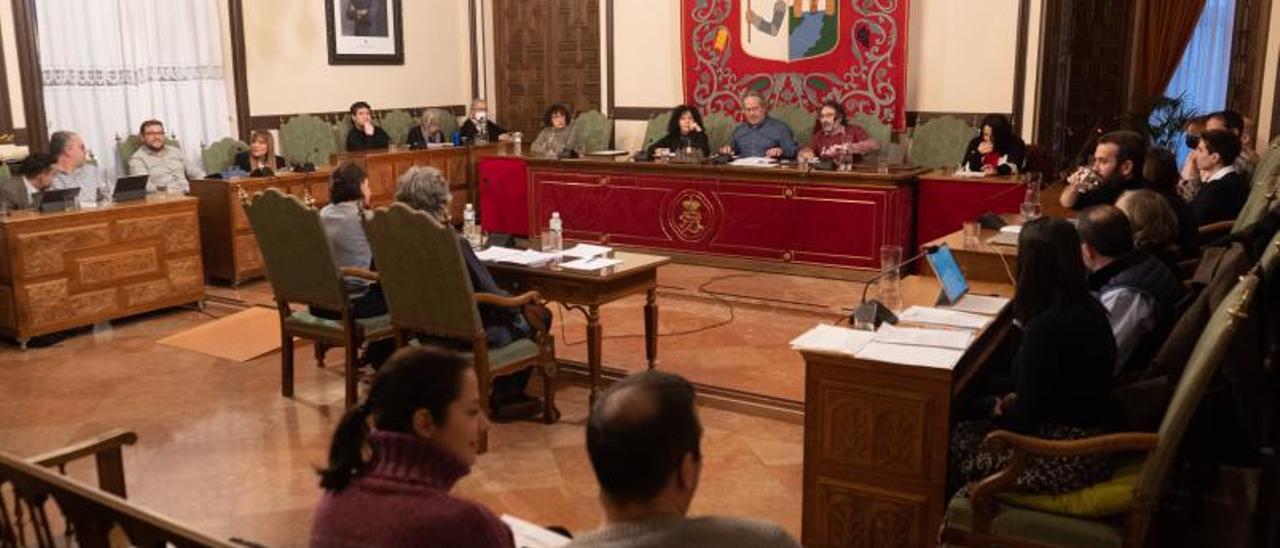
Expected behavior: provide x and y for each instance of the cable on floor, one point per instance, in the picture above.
(702, 289)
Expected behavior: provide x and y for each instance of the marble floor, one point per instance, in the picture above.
(221, 450)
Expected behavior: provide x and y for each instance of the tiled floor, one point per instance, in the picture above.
(221, 450)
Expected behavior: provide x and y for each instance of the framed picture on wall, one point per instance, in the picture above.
(365, 32)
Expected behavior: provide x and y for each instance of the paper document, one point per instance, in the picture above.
(954, 339)
(831, 339)
(939, 316)
(524, 257)
(987, 305)
(923, 356)
(754, 161)
(971, 174)
(528, 535)
(494, 253)
(1011, 229)
(587, 251)
(596, 263)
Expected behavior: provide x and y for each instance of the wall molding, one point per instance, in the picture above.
(273, 121)
(637, 113)
(1020, 66)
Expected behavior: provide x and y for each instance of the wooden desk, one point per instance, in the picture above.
(780, 219)
(64, 270)
(876, 439)
(230, 248)
(984, 263)
(587, 291)
(457, 164)
(945, 201)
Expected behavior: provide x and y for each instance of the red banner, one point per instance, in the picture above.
(797, 52)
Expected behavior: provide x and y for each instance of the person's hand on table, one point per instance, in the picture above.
(988, 169)
(727, 150)
(775, 152)
(805, 155)
(661, 152)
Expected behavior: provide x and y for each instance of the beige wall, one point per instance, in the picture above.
(289, 71)
(12, 75)
(1267, 108)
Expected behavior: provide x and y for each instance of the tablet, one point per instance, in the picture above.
(56, 199)
(130, 188)
(948, 272)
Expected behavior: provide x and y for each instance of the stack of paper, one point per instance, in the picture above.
(596, 263)
(939, 316)
(494, 253)
(754, 162)
(831, 339)
(922, 356)
(954, 339)
(523, 257)
(587, 251)
(987, 305)
(528, 535)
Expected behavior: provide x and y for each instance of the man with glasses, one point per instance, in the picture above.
(760, 135)
(165, 163)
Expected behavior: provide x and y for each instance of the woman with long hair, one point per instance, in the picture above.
(683, 130)
(996, 150)
(395, 458)
(1062, 370)
(260, 160)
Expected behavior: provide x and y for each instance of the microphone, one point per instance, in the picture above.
(875, 312)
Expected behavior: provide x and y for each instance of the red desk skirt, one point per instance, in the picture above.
(944, 203)
(504, 194)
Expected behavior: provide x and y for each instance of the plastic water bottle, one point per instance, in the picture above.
(557, 232)
(469, 229)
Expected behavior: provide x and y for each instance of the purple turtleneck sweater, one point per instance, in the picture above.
(403, 500)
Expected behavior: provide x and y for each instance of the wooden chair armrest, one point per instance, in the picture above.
(107, 441)
(982, 493)
(359, 273)
(1107, 443)
(518, 300)
(1212, 229)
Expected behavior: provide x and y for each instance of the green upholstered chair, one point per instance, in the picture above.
(882, 133)
(219, 156)
(301, 269)
(429, 293)
(397, 124)
(656, 129)
(940, 142)
(126, 146)
(1262, 192)
(448, 121)
(798, 119)
(4, 171)
(986, 517)
(591, 131)
(306, 138)
(719, 130)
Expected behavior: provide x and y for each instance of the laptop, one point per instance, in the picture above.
(55, 199)
(944, 265)
(130, 188)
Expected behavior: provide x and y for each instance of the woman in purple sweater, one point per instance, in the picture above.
(395, 458)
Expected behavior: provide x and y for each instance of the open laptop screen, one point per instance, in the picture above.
(948, 272)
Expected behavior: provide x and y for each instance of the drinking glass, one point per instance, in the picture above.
(890, 286)
(546, 240)
(882, 162)
(972, 234)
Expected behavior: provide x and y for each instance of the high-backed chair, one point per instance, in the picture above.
(882, 133)
(301, 269)
(719, 130)
(306, 139)
(798, 119)
(448, 121)
(1262, 191)
(219, 156)
(591, 131)
(126, 146)
(429, 293)
(656, 129)
(990, 515)
(35, 500)
(397, 124)
(940, 142)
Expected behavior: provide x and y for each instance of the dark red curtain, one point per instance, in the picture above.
(1163, 34)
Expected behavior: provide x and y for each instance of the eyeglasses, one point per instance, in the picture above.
(150, 133)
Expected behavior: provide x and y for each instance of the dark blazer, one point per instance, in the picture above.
(357, 140)
(1222, 199)
(672, 142)
(416, 138)
(13, 193)
(242, 161)
(468, 130)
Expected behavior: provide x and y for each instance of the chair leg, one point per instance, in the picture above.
(550, 371)
(286, 365)
(353, 367)
(321, 348)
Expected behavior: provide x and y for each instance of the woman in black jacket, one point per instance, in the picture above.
(683, 130)
(996, 150)
(1062, 370)
(260, 160)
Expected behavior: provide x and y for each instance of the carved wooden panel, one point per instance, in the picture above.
(248, 256)
(78, 268)
(546, 52)
(873, 427)
(867, 517)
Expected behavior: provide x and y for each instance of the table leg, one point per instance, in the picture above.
(651, 327)
(595, 339)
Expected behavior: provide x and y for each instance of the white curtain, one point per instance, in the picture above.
(1202, 73)
(108, 65)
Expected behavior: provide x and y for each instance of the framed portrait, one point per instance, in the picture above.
(365, 32)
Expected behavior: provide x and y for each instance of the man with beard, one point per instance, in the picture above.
(164, 163)
(1118, 161)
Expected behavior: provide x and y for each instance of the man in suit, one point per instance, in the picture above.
(1226, 189)
(32, 176)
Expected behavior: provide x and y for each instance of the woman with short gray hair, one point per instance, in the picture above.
(425, 189)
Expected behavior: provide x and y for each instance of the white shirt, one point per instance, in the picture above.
(1132, 315)
(31, 189)
(1221, 172)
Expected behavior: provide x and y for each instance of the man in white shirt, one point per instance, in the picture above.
(165, 163)
(73, 169)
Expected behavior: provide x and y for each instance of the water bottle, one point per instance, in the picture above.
(469, 229)
(557, 232)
